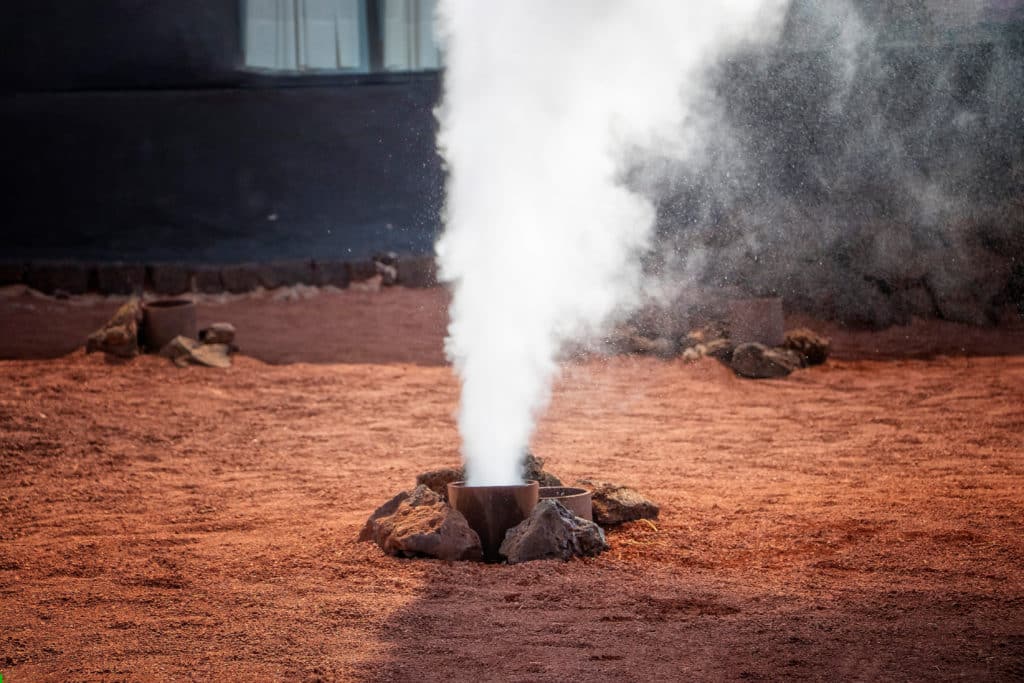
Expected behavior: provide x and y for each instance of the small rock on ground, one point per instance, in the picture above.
(218, 333)
(551, 532)
(812, 348)
(615, 504)
(756, 361)
(212, 355)
(533, 470)
(184, 350)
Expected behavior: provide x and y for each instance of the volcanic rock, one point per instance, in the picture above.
(719, 349)
(421, 524)
(386, 265)
(212, 355)
(120, 335)
(552, 532)
(757, 361)
(616, 504)
(631, 339)
(179, 349)
(218, 333)
(812, 348)
(438, 480)
(692, 354)
(385, 510)
(183, 350)
(533, 470)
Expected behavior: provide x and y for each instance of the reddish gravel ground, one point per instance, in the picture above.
(857, 521)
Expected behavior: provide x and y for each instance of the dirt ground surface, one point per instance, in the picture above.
(862, 520)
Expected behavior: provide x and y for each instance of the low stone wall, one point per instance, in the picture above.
(170, 279)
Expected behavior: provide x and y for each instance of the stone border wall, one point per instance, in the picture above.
(171, 279)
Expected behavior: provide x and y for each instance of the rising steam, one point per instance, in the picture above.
(546, 107)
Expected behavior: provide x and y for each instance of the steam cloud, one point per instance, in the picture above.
(547, 106)
(869, 167)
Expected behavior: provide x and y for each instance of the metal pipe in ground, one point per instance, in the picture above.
(492, 510)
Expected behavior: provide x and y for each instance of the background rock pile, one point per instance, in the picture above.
(801, 347)
(123, 336)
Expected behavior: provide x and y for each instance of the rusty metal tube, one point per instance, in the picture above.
(493, 510)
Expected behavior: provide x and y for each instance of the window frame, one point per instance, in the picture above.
(258, 77)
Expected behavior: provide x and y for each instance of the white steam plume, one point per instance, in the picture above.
(542, 102)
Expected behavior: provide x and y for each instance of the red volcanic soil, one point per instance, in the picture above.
(863, 520)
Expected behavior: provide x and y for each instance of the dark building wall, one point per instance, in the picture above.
(131, 133)
(102, 44)
(249, 174)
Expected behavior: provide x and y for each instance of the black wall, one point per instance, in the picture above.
(104, 44)
(131, 133)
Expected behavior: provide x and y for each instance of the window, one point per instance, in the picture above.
(409, 35)
(340, 35)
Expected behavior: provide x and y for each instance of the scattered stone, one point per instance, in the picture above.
(693, 354)
(533, 470)
(49, 277)
(708, 332)
(812, 348)
(183, 351)
(421, 524)
(719, 349)
(218, 333)
(417, 271)
(616, 504)
(212, 355)
(438, 480)
(179, 350)
(331, 273)
(631, 339)
(120, 278)
(552, 532)
(120, 335)
(387, 258)
(240, 278)
(662, 347)
(756, 361)
(170, 278)
(387, 267)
